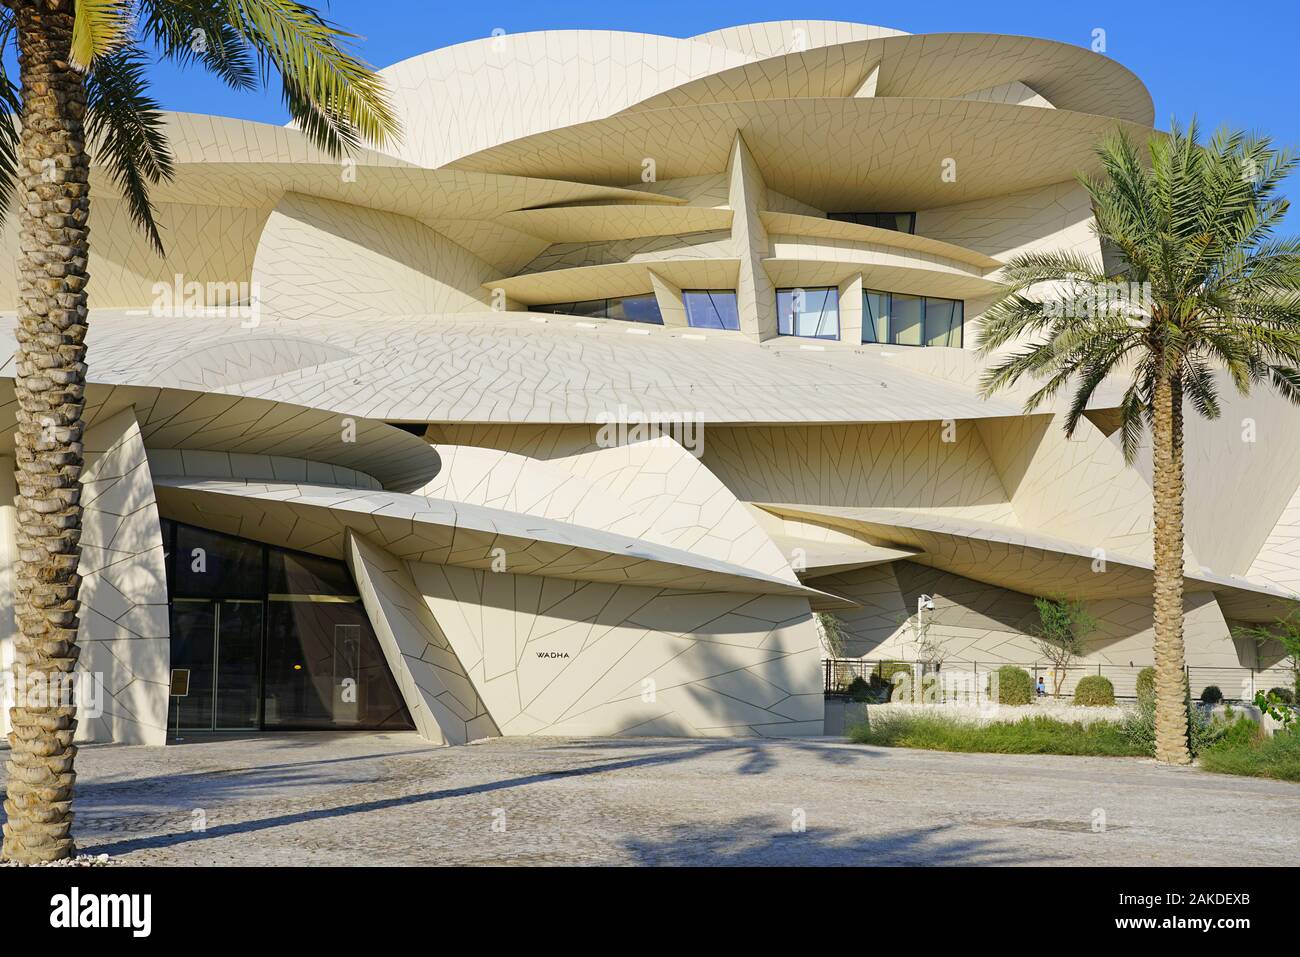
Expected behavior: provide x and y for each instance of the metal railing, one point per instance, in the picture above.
(1236, 684)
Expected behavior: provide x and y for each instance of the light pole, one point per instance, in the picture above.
(924, 603)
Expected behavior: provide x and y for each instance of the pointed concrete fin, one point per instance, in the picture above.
(868, 85)
(747, 196)
(443, 701)
(669, 298)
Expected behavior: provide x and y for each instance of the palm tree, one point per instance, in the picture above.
(1202, 285)
(82, 89)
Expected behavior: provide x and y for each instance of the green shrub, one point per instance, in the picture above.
(1146, 681)
(1033, 735)
(858, 688)
(1245, 749)
(1014, 685)
(1094, 691)
(869, 689)
(1240, 733)
(1285, 695)
(1139, 726)
(1211, 694)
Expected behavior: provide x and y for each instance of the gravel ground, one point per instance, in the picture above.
(392, 799)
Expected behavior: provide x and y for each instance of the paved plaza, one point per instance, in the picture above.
(391, 799)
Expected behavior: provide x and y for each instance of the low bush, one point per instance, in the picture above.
(1094, 691)
(1032, 735)
(1285, 695)
(871, 689)
(1245, 749)
(1014, 685)
(1140, 725)
(1211, 694)
(1146, 681)
(858, 688)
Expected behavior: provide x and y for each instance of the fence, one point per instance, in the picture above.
(1237, 684)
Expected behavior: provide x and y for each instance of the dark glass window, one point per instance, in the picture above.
(899, 222)
(636, 309)
(324, 669)
(295, 573)
(213, 565)
(642, 308)
(897, 319)
(813, 313)
(711, 308)
(272, 638)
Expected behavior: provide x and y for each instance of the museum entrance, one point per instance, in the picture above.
(272, 639)
(220, 643)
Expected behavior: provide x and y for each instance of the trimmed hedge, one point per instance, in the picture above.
(1014, 685)
(1285, 695)
(1211, 694)
(1094, 691)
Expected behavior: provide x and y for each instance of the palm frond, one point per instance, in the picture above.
(99, 27)
(332, 94)
(1193, 222)
(199, 31)
(1133, 411)
(11, 108)
(125, 126)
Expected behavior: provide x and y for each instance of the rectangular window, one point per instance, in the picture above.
(642, 308)
(711, 308)
(875, 316)
(899, 222)
(812, 313)
(894, 318)
(636, 309)
(905, 319)
(943, 322)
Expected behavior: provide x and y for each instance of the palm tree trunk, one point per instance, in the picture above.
(1167, 484)
(53, 204)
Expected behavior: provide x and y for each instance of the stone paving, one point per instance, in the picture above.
(392, 799)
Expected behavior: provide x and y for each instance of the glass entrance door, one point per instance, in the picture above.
(238, 693)
(220, 642)
(193, 630)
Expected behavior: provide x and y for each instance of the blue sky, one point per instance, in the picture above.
(1214, 60)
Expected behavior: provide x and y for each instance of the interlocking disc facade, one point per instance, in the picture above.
(570, 413)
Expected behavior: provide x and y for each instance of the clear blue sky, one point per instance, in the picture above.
(1218, 61)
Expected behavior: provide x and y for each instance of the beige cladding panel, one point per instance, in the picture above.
(552, 657)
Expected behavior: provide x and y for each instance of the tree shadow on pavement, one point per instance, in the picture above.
(752, 842)
(129, 845)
